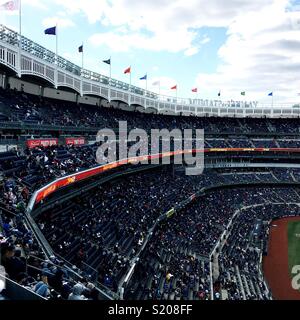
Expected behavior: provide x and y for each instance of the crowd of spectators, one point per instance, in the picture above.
(115, 241)
(31, 109)
(102, 231)
(240, 271)
(25, 263)
(106, 228)
(175, 264)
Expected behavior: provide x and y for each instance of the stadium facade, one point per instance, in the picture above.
(26, 57)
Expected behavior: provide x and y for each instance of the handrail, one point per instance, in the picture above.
(16, 291)
(94, 129)
(7, 210)
(102, 288)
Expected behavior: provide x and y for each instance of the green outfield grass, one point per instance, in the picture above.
(294, 244)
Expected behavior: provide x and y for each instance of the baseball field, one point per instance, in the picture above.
(282, 264)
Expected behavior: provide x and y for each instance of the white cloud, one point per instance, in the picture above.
(260, 55)
(38, 4)
(61, 22)
(167, 41)
(191, 51)
(93, 9)
(205, 40)
(157, 25)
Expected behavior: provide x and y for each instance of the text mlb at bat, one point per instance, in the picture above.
(154, 310)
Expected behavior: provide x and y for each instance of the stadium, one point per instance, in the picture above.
(72, 228)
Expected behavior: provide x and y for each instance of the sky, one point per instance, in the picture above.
(215, 45)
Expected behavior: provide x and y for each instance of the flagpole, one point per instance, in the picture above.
(109, 70)
(56, 42)
(20, 39)
(20, 17)
(146, 82)
(81, 81)
(109, 82)
(56, 69)
(82, 56)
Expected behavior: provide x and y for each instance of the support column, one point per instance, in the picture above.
(19, 62)
(109, 92)
(42, 89)
(56, 77)
(81, 86)
(5, 81)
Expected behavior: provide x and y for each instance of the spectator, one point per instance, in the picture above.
(77, 292)
(42, 287)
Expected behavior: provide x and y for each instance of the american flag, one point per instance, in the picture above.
(10, 5)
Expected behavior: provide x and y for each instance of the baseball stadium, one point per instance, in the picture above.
(92, 207)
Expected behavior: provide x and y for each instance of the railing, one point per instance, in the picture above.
(79, 274)
(11, 37)
(14, 291)
(93, 129)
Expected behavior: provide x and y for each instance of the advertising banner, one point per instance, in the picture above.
(75, 141)
(32, 143)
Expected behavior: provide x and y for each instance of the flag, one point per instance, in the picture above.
(243, 93)
(174, 88)
(156, 83)
(10, 5)
(195, 90)
(128, 70)
(144, 77)
(80, 49)
(107, 61)
(51, 31)
(270, 94)
(219, 94)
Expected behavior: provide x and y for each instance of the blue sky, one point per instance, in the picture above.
(211, 45)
